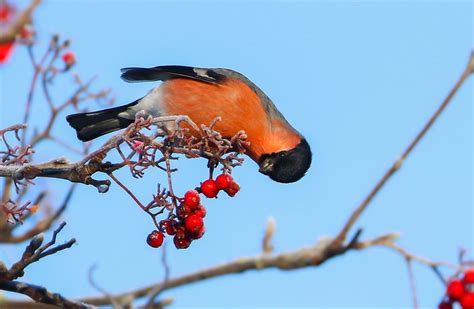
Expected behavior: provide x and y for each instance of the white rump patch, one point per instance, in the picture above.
(151, 104)
(202, 72)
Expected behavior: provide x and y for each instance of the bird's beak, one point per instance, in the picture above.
(266, 167)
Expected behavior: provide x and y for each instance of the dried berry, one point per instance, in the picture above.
(168, 226)
(181, 241)
(445, 305)
(200, 211)
(198, 234)
(233, 189)
(183, 211)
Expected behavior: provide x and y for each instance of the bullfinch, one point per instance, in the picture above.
(203, 94)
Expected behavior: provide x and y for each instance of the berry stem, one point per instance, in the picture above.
(153, 216)
(170, 182)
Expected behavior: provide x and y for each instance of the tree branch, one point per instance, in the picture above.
(301, 258)
(304, 257)
(33, 253)
(58, 168)
(39, 294)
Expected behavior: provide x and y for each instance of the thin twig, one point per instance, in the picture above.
(92, 282)
(411, 279)
(398, 163)
(156, 292)
(268, 236)
(42, 225)
(33, 253)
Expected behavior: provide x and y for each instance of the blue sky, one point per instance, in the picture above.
(358, 79)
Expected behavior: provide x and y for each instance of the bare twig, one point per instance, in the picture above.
(13, 154)
(42, 225)
(152, 303)
(33, 253)
(267, 238)
(113, 302)
(398, 163)
(411, 279)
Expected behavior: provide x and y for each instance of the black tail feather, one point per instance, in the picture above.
(133, 75)
(94, 124)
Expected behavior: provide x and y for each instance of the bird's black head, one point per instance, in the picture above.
(287, 166)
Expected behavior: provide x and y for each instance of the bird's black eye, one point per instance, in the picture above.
(282, 155)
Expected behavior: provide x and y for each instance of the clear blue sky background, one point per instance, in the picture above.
(358, 79)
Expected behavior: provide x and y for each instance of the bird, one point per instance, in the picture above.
(281, 152)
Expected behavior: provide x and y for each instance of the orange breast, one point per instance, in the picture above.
(237, 105)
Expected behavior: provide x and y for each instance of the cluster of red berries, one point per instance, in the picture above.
(460, 290)
(188, 222)
(210, 188)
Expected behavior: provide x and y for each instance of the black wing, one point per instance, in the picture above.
(170, 71)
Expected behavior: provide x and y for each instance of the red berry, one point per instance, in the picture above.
(167, 225)
(183, 211)
(200, 211)
(209, 188)
(180, 230)
(69, 58)
(191, 198)
(181, 242)
(467, 301)
(233, 189)
(455, 289)
(193, 223)
(223, 181)
(445, 305)
(5, 51)
(468, 276)
(198, 234)
(155, 239)
(6, 12)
